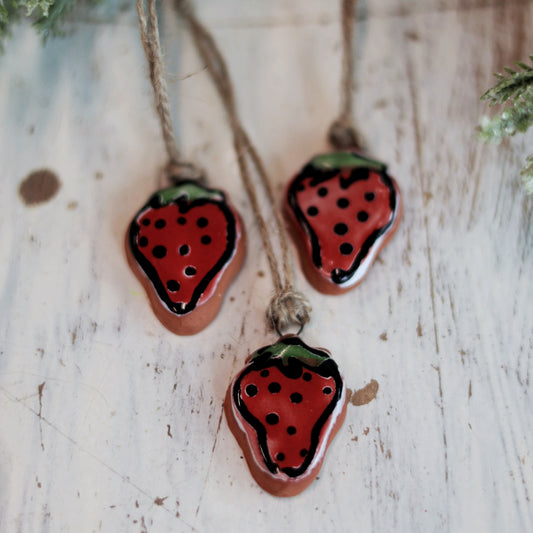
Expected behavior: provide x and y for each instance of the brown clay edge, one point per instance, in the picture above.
(265, 481)
(203, 315)
(311, 273)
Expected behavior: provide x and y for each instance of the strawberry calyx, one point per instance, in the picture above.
(291, 347)
(185, 190)
(352, 160)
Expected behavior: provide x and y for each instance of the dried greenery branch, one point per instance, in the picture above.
(514, 91)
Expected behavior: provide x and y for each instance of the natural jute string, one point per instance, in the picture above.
(288, 306)
(177, 167)
(342, 134)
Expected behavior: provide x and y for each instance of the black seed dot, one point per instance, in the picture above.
(296, 397)
(159, 252)
(340, 228)
(307, 376)
(202, 222)
(369, 196)
(291, 430)
(303, 452)
(143, 241)
(251, 390)
(184, 249)
(182, 221)
(272, 419)
(173, 285)
(346, 248)
(362, 216)
(160, 223)
(327, 390)
(322, 192)
(274, 387)
(312, 211)
(300, 187)
(146, 222)
(343, 203)
(264, 373)
(206, 239)
(280, 457)
(190, 271)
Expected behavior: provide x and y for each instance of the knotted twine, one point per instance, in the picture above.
(287, 307)
(342, 134)
(177, 167)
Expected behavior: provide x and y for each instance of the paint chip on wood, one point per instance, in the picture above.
(39, 187)
(364, 395)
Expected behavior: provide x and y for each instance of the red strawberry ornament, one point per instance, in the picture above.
(343, 209)
(284, 408)
(186, 245)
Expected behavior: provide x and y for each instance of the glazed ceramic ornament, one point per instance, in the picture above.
(284, 408)
(343, 208)
(186, 244)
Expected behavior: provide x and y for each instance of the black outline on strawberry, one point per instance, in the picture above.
(320, 174)
(316, 362)
(158, 200)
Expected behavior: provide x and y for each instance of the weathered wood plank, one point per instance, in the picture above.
(110, 423)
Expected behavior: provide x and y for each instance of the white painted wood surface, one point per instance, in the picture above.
(110, 423)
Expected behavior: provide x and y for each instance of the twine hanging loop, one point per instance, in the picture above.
(342, 133)
(175, 172)
(177, 168)
(289, 308)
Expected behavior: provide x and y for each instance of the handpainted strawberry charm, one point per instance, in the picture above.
(343, 208)
(284, 408)
(186, 245)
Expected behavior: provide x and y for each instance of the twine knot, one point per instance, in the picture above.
(289, 307)
(177, 171)
(343, 136)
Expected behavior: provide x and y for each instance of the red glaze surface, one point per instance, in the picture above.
(289, 439)
(187, 258)
(377, 212)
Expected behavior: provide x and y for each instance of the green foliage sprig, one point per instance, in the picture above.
(47, 16)
(515, 92)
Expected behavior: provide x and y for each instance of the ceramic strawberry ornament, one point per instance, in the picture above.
(187, 243)
(284, 409)
(342, 207)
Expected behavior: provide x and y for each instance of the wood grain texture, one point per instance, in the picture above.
(109, 423)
